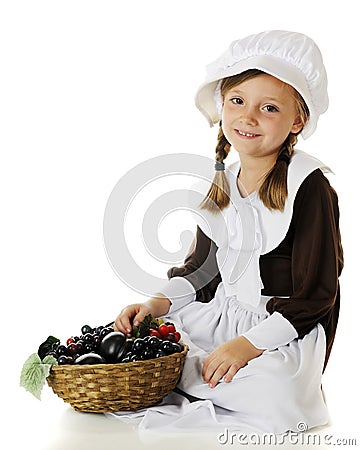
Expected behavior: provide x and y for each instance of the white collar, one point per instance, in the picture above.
(276, 223)
(247, 229)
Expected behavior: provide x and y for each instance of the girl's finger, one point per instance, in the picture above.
(234, 368)
(123, 325)
(138, 318)
(218, 374)
(127, 327)
(209, 367)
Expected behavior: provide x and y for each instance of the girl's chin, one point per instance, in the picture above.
(244, 151)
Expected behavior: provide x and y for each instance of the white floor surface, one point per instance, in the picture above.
(50, 424)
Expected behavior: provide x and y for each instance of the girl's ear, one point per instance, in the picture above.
(297, 125)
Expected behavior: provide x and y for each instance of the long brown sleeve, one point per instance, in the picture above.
(316, 260)
(200, 268)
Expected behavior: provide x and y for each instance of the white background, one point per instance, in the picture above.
(89, 89)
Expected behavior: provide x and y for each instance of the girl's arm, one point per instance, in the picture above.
(196, 279)
(199, 276)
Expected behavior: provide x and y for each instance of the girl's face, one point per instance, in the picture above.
(258, 115)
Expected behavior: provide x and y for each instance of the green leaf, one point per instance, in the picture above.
(49, 361)
(135, 332)
(34, 373)
(47, 346)
(145, 325)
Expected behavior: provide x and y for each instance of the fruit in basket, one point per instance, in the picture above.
(153, 342)
(61, 350)
(63, 360)
(105, 331)
(163, 330)
(72, 349)
(86, 329)
(150, 326)
(139, 346)
(155, 333)
(166, 347)
(90, 358)
(113, 346)
(153, 338)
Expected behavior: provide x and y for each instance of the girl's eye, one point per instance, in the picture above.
(270, 108)
(237, 101)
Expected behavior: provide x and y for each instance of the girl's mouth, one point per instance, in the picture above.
(246, 135)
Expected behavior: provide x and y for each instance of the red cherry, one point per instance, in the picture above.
(177, 336)
(171, 328)
(153, 332)
(70, 341)
(163, 330)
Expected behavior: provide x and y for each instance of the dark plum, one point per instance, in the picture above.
(112, 346)
(90, 358)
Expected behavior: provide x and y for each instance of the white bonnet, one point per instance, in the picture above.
(291, 57)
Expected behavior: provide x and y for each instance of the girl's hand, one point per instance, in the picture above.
(135, 313)
(227, 359)
(131, 314)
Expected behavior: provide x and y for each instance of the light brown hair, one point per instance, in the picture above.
(273, 189)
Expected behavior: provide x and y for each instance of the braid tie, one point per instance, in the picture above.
(219, 165)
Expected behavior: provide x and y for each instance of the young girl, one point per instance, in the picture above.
(257, 298)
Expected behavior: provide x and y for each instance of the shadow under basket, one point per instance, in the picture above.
(117, 387)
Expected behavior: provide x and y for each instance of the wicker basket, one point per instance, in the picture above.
(117, 387)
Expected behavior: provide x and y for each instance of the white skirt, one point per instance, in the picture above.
(276, 392)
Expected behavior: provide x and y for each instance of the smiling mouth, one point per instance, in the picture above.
(248, 135)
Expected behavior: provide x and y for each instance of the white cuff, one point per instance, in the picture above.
(271, 333)
(180, 292)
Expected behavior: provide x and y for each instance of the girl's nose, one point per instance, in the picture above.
(248, 116)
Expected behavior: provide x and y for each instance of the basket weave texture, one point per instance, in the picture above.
(117, 387)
